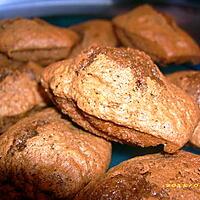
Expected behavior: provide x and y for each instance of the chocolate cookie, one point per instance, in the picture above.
(157, 34)
(190, 82)
(149, 177)
(121, 95)
(20, 91)
(45, 156)
(99, 32)
(35, 40)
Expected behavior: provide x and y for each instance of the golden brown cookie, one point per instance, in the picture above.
(190, 82)
(121, 95)
(35, 40)
(20, 91)
(45, 155)
(149, 177)
(195, 138)
(99, 32)
(157, 34)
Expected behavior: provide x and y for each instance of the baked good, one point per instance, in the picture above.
(45, 155)
(98, 31)
(35, 40)
(157, 34)
(4, 60)
(7, 121)
(190, 82)
(148, 177)
(20, 91)
(195, 138)
(9, 193)
(121, 95)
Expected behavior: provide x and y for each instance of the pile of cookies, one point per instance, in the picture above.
(67, 93)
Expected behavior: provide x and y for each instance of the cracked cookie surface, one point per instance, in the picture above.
(121, 95)
(189, 81)
(149, 177)
(35, 40)
(98, 32)
(157, 34)
(44, 154)
(20, 91)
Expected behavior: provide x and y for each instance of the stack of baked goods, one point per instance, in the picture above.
(67, 93)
